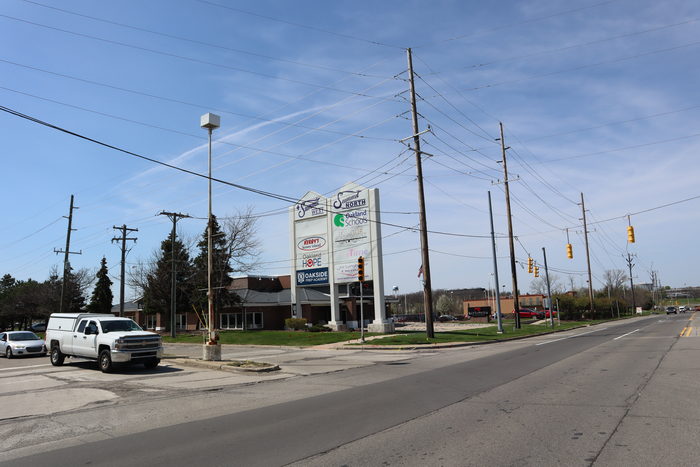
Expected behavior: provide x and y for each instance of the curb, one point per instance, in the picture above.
(221, 365)
(464, 344)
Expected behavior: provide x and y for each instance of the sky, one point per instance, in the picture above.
(595, 97)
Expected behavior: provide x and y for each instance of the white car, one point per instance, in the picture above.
(15, 343)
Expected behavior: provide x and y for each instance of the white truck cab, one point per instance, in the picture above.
(103, 337)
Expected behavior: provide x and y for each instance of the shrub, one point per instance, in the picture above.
(295, 324)
(319, 328)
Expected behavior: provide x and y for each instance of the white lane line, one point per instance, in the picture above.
(631, 332)
(23, 367)
(569, 337)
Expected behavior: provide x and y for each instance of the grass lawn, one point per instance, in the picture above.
(474, 335)
(291, 338)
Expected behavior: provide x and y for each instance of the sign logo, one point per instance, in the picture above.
(312, 276)
(311, 243)
(349, 199)
(309, 205)
(339, 220)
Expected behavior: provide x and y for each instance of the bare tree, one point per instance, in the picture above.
(539, 285)
(242, 244)
(614, 280)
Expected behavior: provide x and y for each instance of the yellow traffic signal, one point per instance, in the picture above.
(569, 251)
(537, 271)
(529, 265)
(361, 268)
(630, 234)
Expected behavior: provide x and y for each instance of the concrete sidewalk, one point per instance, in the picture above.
(290, 360)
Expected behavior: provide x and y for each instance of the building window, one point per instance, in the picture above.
(151, 321)
(254, 320)
(180, 321)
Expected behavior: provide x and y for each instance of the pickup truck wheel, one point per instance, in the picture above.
(8, 353)
(105, 361)
(57, 356)
(152, 363)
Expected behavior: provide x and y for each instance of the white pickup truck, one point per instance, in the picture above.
(103, 337)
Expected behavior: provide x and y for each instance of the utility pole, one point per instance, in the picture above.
(425, 256)
(124, 229)
(630, 264)
(549, 289)
(173, 216)
(516, 302)
(66, 263)
(588, 256)
(497, 298)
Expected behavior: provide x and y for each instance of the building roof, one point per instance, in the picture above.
(283, 297)
(128, 306)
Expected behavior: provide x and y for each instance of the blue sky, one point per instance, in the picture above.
(598, 97)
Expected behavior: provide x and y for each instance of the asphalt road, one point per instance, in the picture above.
(619, 394)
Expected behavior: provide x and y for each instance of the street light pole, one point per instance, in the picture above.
(212, 349)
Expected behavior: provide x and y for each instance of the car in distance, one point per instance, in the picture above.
(530, 314)
(38, 327)
(671, 309)
(547, 313)
(446, 318)
(15, 343)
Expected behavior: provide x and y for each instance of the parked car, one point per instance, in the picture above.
(671, 309)
(547, 313)
(446, 318)
(682, 308)
(38, 327)
(530, 314)
(102, 337)
(15, 343)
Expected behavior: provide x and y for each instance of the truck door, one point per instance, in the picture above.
(84, 342)
(70, 339)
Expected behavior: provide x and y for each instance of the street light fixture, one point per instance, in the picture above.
(212, 349)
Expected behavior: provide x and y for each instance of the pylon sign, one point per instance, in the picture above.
(351, 232)
(310, 240)
(329, 234)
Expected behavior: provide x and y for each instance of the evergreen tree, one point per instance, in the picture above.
(101, 300)
(221, 269)
(157, 287)
(73, 298)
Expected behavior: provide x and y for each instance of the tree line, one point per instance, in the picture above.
(235, 249)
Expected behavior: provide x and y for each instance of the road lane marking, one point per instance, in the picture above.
(569, 337)
(631, 332)
(690, 330)
(23, 367)
(682, 332)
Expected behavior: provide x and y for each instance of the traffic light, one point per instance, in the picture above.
(630, 234)
(361, 268)
(529, 265)
(569, 251)
(537, 271)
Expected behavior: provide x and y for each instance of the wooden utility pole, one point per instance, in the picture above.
(588, 256)
(66, 263)
(425, 256)
(173, 216)
(630, 264)
(124, 229)
(516, 302)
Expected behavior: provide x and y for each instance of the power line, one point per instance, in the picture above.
(518, 23)
(199, 42)
(182, 57)
(171, 99)
(191, 172)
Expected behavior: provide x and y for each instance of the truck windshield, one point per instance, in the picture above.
(120, 325)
